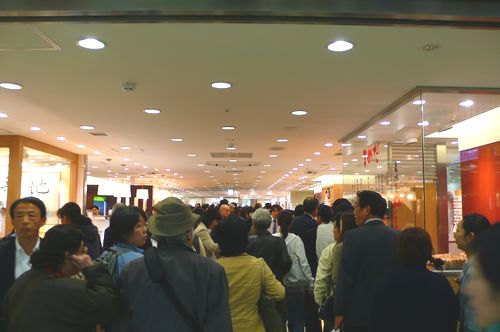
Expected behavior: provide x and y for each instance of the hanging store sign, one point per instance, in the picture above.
(370, 155)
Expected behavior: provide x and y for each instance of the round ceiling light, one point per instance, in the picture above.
(361, 136)
(221, 85)
(299, 113)
(87, 127)
(273, 155)
(3, 115)
(125, 147)
(10, 86)
(385, 123)
(81, 146)
(340, 46)
(423, 124)
(191, 155)
(467, 103)
(228, 128)
(91, 44)
(328, 145)
(34, 128)
(317, 153)
(61, 138)
(176, 139)
(282, 140)
(152, 111)
(418, 102)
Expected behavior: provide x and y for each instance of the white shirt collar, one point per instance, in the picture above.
(22, 259)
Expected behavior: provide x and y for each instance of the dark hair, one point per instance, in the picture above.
(122, 223)
(475, 223)
(257, 206)
(267, 206)
(223, 201)
(244, 213)
(70, 210)
(299, 210)
(232, 236)
(377, 203)
(208, 216)
(414, 248)
(199, 211)
(276, 207)
(205, 206)
(326, 213)
(310, 204)
(347, 221)
(340, 206)
(141, 212)
(29, 200)
(486, 250)
(285, 219)
(57, 241)
(95, 207)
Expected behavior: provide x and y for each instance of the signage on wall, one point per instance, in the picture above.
(370, 155)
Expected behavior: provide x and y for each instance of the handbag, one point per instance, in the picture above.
(326, 310)
(269, 313)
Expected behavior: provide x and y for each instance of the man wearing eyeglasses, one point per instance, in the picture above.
(28, 214)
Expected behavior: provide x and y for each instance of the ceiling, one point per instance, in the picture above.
(274, 69)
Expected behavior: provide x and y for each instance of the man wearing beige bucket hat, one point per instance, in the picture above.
(173, 288)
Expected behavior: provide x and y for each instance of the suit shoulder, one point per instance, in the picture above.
(7, 243)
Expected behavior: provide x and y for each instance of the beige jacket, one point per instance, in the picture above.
(328, 271)
(211, 248)
(249, 277)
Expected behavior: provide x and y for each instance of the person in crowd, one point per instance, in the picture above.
(484, 286)
(149, 242)
(268, 206)
(324, 233)
(71, 213)
(107, 241)
(305, 227)
(199, 284)
(257, 206)
(274, 227)
(198, 210)
(299, 210)
(224, 210)
(96, 211)
(466, 233)
(272, 249)
(47, 299)
(245, 216)
(28, 214)
(410, 297)
(207, 222)
(299, 278)
(248, 277)
(329, 261)
(205, 206)
(128, 233)
(368, 251)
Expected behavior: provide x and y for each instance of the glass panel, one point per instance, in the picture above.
(4, 174)
(47, 177)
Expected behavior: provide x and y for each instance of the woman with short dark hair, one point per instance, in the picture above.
(207, 222)
(410, 297)
(248, 277)
(46, 298)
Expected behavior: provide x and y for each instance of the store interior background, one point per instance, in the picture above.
(431, 173)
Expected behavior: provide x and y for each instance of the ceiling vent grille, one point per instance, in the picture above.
(227, 164)
(232, 155)
(99, 134)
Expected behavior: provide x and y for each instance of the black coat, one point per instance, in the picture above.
(368, 252)
(91, 238)
(414, 300)
(7, 263)
(273, 250)
(305, 227)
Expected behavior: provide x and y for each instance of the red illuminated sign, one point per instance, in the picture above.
(370, 155)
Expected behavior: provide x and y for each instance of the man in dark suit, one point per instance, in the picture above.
(28, 215)
(305, 227)
(368, 252)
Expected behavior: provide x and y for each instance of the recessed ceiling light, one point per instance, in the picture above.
(152, 111)
(97, 152)
(308, 159)
(385, 146)
(367, 170)
(423, 124)
(467, 103)
(263, 172)
(380, 166)
(125, 147)
(200, 165)
(398, 161)
(191, 155)
(355, 160)
(346, 144)
(81, 146)
(34, 128)
(356, 173)
(328, 145)
(233, 160)
(95, 166)
(340, 46)
(333, 169)
(299, 113)
(345, 164)
(167, 170)
(10, 86)
(454, 142)
(267, 165)
(301, 165)
(3, 115)
(295, 168)
(231, 147)
(88, 173)
(61, 138)
(418, 102)
(136, 163)
(290, 172)
(91, 44)
(221, 85)
(144, 166)
(176, 139)
(109, 171)
(282, 140)
(273, 155)
(361, 136)
(125, 169)
(385, 123)
(207, 171)
(126, 159)
(317, 153)
(87, 127)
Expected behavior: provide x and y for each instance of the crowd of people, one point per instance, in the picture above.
(229, 268)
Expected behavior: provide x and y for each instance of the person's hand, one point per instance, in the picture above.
(339, 322)
(81, 261)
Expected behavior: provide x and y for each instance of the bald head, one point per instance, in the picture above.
(224, 211)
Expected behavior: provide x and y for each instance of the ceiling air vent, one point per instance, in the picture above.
(232, 155)
(228, 164)
(99, 134)
(277, 148)
(236, 171)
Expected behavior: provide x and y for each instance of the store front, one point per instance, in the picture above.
(435, 157)
(32, 168)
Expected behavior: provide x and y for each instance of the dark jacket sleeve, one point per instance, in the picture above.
(218, 316)
(93, 300)
(285, 263)
(347, 275)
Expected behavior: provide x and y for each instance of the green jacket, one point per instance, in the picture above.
(38, 301)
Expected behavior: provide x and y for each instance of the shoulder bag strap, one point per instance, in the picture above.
(155, 270)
